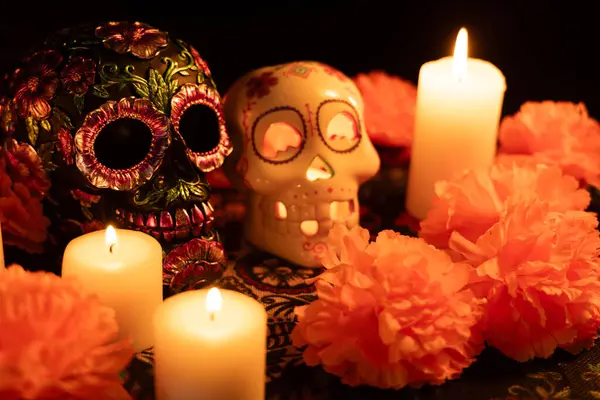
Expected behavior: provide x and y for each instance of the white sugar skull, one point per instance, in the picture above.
(300, 152)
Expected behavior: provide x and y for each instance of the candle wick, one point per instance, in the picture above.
(212, 316)
(112, 246)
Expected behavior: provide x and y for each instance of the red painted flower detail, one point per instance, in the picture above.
(189, 95)
(193, 264)
(85, 199)
(65, 145)
(139, 39)
(36, 83)
(78, 75)
(199, 61)
(25, 166)
(259, 86)
(102, 176)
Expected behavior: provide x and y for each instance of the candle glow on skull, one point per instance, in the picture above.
(461, 49)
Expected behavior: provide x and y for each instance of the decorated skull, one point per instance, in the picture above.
(300, 152)
(122, 122)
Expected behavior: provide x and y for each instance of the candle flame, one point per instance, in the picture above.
(461, 49)
(110, 237)
(214, 300)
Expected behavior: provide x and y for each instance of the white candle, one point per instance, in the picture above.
(210, 344)
(125, 269)
(459, 101)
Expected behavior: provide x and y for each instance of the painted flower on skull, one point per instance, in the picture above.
(78, 75)
(136, 38)
(36, 83)
(65, 145)
(197, 257)
(99, 174)
(190, 95)
(258, 86)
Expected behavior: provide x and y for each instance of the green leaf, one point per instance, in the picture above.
(100, 91)
(32, 130)
(172, 195)
(199, 190)
(78, 100)
(122, 86)
(173, 86)
(141, 89)
(45, 124)
(184, 192)
(184, 73)
(60, 120)
(46, 152)
(158, 90)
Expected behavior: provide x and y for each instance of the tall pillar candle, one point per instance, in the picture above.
(124, 268)
(459, 101)
(210, 344)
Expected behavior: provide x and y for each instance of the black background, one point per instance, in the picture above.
(546, 49)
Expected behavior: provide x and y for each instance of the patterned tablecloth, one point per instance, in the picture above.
(281, 287)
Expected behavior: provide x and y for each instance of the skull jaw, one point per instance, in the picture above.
(285, 239)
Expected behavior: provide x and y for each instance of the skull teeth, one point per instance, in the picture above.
(197, 216)
(151, 221)
(170, 224)
(182, 218)
(166, 221)
(139, 220)
(308, 220)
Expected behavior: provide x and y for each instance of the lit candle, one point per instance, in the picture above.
(124, 268)
(459, 101)
(210, 344)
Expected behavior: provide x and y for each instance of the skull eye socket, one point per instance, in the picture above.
(338, 126)
(199, 127)
(120, 145)
(197, 116)
(278, 135)
(123, 143)
(280, 138)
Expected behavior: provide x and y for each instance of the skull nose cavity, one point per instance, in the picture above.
(309, 228)
(280, 210)
(318, 169)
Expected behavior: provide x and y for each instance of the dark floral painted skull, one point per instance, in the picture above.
(122, 122)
